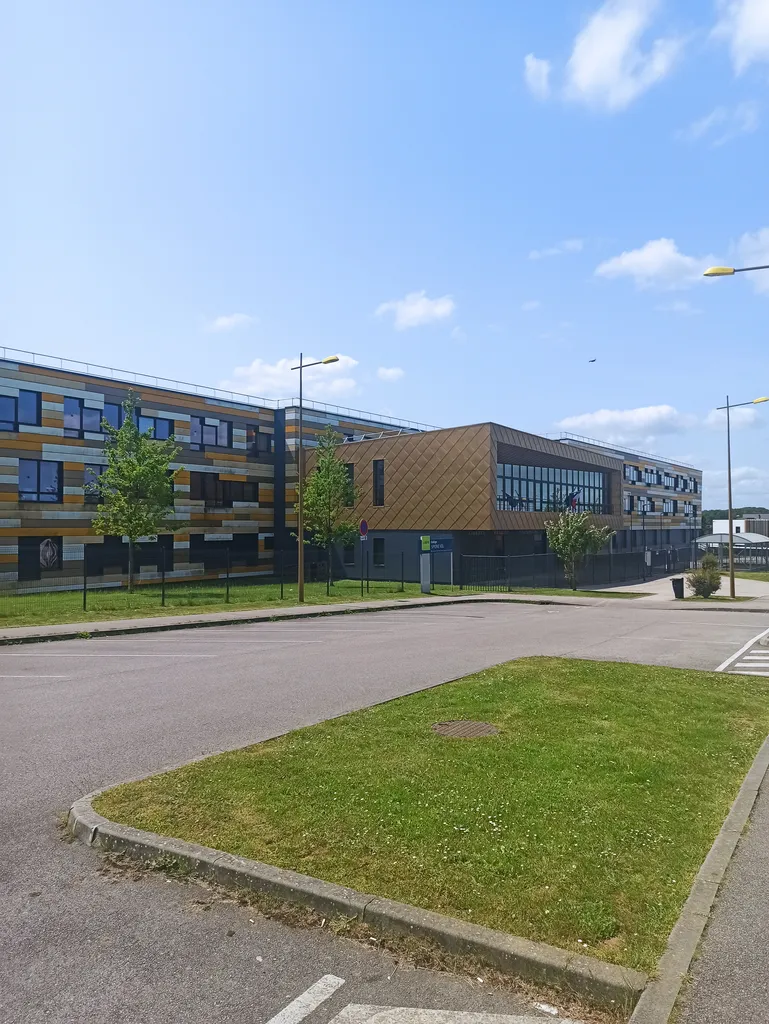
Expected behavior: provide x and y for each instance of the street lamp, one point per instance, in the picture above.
(728, 271)
(300, 488)
(728, 407)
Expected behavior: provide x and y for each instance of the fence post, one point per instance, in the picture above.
(227, 584)
(281, 572)
(163, 579)
(507, 573)
(85, 581)
(403, 577)
(461, 577)
(367, 573)
(361, 566)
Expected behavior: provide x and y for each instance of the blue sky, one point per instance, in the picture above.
(467, 201)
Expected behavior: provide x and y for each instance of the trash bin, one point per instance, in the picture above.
(678, 587)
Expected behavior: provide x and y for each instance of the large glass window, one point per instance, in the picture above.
(90, 479)
(223, 493)
(113, 414)
(379, 482)
(218, 433)
(160, 427)
(39, 480)
(549, 489)
(79, 419)
(24, 409)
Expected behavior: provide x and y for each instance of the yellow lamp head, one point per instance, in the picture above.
(330, 359)
(718, 272)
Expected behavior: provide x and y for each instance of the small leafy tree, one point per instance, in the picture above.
(135, 491)
(573, 536)
(707, 579)
(329, 496)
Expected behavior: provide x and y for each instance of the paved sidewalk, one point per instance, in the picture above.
(661, 588)
(730, 979)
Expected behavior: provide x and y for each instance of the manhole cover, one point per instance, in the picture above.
(465, 730)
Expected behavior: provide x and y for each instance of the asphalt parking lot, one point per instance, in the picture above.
(83, 714)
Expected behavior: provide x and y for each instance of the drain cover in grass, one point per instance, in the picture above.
(465, 730)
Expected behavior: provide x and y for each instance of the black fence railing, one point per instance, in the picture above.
(509, 572)
(510, 504)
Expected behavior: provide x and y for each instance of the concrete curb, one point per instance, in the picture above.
(659, 998)
(76, 631)
(602, 983)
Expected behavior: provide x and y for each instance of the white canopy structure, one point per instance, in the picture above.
(739, 540)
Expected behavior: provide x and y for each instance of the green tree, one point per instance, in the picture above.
(573, 536)
(329, 496)
(136, 489)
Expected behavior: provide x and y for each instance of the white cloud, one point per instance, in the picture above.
(458, 334)
(749, 483)
(567, 245)
(531, 305)
(754, 251)
(656, 264)
(536, 74)
(680, 306)
(417, 309)
(278, 380)
(630, 426)
(390, 373)
(230, 321)
(744, 24)
(723, 124)
(608, 68)
(747, 416)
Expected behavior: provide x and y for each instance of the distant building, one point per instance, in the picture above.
(758, 522)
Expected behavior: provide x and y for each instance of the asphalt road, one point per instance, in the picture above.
(77, 943)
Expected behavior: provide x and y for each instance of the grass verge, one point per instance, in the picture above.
(53, 607)
(762, 577)
(581, 824)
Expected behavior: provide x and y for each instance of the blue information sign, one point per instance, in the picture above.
(363, 529)
(441, 544)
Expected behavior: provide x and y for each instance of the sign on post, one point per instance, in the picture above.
(425, 542)
(363, 529)
(438, 544)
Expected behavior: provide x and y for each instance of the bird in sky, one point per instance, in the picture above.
(591, 360)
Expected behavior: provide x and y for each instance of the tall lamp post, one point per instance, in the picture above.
(728, 407)
(300, 469)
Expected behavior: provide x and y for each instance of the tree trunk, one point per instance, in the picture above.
(130, 565)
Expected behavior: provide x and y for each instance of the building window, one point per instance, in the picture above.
(24, 409)
(379, 483)
(667, 507)
(269, 542)
(379, 552)
(160, 428)
(209, 488)
(258, 441)
(78, 419)
(632, 474)
(39, 481)
(113, 414)
(348, 554)
(549, 489)
(628, 504)
(90, 479)
(350, 467)
(737, 529)
(217, 433)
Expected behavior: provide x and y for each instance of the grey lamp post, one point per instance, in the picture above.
(728, 407)
(300, 470)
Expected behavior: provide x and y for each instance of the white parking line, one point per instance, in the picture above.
(308, 1001)
(743, 650)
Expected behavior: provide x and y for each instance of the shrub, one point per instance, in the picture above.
(709, 561)
(704, 581)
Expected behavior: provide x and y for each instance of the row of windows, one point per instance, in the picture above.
(222, 493)
(658, 478)
(79, 419)
(549, 489)
(668, 506)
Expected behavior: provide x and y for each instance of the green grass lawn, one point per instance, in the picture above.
(189, 599)
(582, 824)
(762, 577)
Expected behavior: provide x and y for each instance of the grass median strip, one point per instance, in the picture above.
(50, 607)
(582, 823)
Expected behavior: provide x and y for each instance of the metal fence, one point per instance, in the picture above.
(508, 572)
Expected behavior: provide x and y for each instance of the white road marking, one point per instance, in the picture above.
(308, 1001)
(674, 639)
(745, 647)
(32, 654)
(747, 672)
(29, 676)
(356, 1013)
